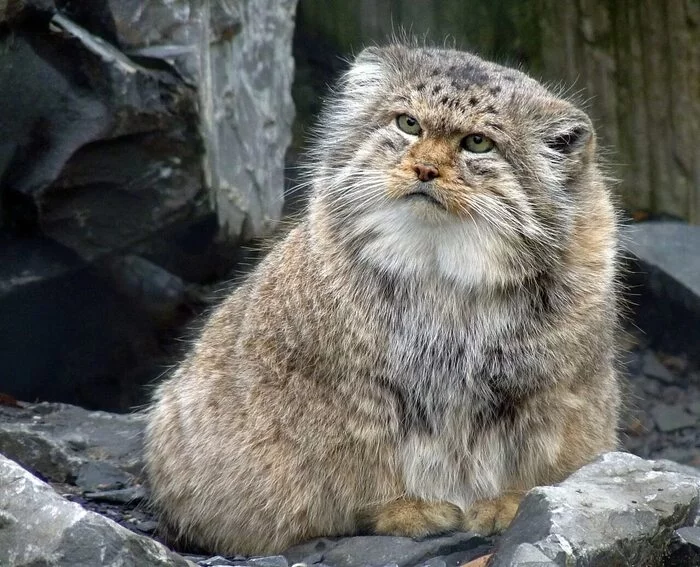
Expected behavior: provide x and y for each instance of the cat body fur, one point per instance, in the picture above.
(401, 362)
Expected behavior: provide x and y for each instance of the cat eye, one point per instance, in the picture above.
(477, 143)
(408, 124)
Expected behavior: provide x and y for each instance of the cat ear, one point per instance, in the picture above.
(568, 140)
(366, 71)
(371, 54)
(569, 135)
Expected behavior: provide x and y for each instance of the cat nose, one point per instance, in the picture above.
(426, 171)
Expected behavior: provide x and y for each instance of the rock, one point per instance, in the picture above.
(618, 510)
(132, 495)
(215, 561)
(527, 555)
(270, 561)
(61, 443)
(245, 105)
(359, 551)
(38, 527)
(161, 117)
(690, 535)
(653, 368)
(670, 418)
(672, 248)
(666, 283)
(101, 476)
(687, 547)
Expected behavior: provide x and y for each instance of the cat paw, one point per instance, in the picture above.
(487, 517)
(417, 518)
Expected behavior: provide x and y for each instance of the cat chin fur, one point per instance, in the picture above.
(412, 241)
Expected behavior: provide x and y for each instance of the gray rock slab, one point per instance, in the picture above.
(61, 442)
(665, 285)
(671, 247)
(38, 527)
(654, 369)
(377, 551)
(690, 534)
(671, 418)
(619, 510)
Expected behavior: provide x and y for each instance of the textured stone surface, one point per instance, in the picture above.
(672, 417)
(620, 506)
(38, 527)
(238, 53)
(63, 443)
(127, 127)
(619, 510)
(453, 549)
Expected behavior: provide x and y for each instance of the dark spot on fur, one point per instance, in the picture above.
(471, 74)
(435, 73)
(495, 90)
(473, 101)
(437, 89)
(509, 78)
(412, 410)
(420, 87)
(388, 144)
(491, 109)
(480, 169)
(537, 289)
(445, 100)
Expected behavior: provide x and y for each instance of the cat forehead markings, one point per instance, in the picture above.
(457, 80)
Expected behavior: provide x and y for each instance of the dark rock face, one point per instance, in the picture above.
(664, 281)
(134, 135)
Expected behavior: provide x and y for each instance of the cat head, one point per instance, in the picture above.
(435, 162)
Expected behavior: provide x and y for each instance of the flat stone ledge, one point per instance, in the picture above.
(618, 510)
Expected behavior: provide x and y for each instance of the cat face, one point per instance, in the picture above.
(436, 162)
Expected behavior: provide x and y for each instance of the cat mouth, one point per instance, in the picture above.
(423, 195)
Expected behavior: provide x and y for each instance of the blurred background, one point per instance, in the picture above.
(145, 147)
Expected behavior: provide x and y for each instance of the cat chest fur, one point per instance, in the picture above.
(437, 350)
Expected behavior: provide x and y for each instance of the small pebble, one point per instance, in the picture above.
(215, 561)
(131, 495)
(673, 394)
(148, 526)
(670, 418)
(654, 369)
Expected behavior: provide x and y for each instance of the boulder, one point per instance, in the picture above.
(39, 527)
(67, 444)
(619, 510)
(134, 136)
